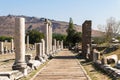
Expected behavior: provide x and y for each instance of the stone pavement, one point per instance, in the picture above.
(64, 66)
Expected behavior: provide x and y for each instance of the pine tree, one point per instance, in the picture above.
(70, 33)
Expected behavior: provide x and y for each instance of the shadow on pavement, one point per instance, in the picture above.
(64, 57)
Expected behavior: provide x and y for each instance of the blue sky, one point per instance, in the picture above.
(80, 10)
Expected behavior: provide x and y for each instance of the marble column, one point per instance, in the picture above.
(38, 52)
(53, 49)
(35, 45)
(96, 55)
(58, 45)
(1, 48)
(19, 38)
(49, 40)
(27, 43)
(54, 44)
(44, 56)
(12, 45)
(46, 37)
(43, 47)
(50, 37)
(5, 49)
(61, 45)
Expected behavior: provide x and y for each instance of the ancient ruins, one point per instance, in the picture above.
(86, 38)
(24, 63)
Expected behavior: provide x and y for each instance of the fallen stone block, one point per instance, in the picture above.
(12, 75)
(34, 64)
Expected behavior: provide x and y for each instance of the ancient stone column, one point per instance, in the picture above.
(19, 39)
(38, 51)
(76, 47)
(55, 44)
(46, 37)
(5, 49)
(43, 47)
(27, 43)
(1, 48)
(61, 44)
(44, 56)
(96, 55)
(35, 46)
(50, 36)
(95, 58)
(58, 45)
(49, 50)
(53, 49)
(12, 45)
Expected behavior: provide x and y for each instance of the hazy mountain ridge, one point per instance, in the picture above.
(7, 23)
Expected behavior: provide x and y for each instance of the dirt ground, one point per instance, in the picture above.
(92, 72)
(7, 60)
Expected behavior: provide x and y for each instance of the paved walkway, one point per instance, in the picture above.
(63, 67)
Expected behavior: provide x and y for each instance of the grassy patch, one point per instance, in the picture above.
(117, 52)
(93, 72)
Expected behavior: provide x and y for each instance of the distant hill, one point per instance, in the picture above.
(7, 23)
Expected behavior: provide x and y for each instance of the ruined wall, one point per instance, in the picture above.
(86, 36)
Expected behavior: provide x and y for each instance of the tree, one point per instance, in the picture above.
(70, 32)
(60, 37)
(77, 37)
(112, 28)
(35, 36)
(3, 38)
(98, 40)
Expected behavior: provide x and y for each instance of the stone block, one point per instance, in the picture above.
(35, 64)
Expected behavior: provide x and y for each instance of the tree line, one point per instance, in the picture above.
(70, 39)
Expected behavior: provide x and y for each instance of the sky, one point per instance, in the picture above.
(79, 10)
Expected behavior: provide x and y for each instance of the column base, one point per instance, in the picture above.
(19, 66)
(1, 52)
(39, 58)
(45, 57)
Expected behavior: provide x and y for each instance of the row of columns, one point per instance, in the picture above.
(43, 49)
(40, 49)
(3, 49)
(48, 36)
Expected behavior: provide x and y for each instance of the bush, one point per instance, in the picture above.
(3, 38)
(59, 37)
(35, 36)
(98, 40)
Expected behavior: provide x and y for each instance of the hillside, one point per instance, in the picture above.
(7, 24)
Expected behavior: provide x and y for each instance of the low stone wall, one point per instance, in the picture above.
(110, 71)
(100, 48)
